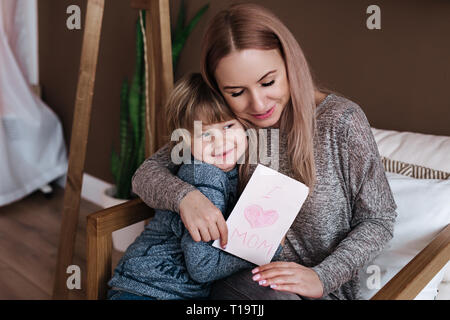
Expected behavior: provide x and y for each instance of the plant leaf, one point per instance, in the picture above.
(191, 25)
(124, 185)
(181, 37)
(123, 124)
(180, 21)
(134, 98)
(115, 162)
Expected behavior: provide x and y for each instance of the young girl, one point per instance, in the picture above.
(165, 262)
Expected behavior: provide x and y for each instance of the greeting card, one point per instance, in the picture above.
(263, 214)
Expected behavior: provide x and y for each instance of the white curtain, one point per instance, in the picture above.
(32, 147)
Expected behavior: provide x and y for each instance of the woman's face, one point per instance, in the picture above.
(254, 83)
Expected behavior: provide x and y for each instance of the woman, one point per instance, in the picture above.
(325, 141)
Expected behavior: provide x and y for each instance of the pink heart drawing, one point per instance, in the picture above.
(258, 218)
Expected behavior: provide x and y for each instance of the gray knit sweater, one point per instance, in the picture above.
(347, 218)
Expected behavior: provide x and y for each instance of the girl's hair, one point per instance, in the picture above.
(250, 26)
(193, 100)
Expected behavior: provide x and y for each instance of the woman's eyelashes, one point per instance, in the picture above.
(267, 84)
(237, 94)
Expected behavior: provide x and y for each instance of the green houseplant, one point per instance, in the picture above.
(132, 106)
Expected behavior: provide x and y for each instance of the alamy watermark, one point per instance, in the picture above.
(374, 20)
(373, 282)
(73, 22)
(74, 280)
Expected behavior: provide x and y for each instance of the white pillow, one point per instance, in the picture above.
(425, 150)
(423, 211)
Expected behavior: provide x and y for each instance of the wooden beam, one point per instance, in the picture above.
(408, 283)
(120, 216)
(78, 144)
(100, 226)
(160, 77)
(99, 252)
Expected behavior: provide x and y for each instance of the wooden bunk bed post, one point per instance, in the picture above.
(160, 73)
(160, 83)
(78, 144)
(100, 225)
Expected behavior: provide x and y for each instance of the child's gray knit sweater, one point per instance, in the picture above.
(164, 262)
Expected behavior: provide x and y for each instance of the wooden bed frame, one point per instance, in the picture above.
(100, 225)
(404, 286)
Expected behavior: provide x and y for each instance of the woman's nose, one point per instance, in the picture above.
(257, 102)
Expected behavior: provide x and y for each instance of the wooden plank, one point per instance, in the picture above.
(120, 216)
(78, 144)
(15, 286)
(29, 255)
(160, 75)
(408, 283)
(160, 83)
(29, 231)
(100, 225)
(159, 57)
(99, 253)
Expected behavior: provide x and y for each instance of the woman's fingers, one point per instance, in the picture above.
(291, 277)
(278, 280)
(276, 273)
(273, 273)
(272, 265)
(284, 287)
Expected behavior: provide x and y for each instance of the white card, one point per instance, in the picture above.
(263, 215)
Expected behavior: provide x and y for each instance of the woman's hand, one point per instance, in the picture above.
(290, 277)
(203, 219)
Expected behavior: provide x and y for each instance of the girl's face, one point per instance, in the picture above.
(220, 144)
(254, 83)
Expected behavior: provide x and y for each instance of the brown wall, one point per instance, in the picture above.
(399, 75)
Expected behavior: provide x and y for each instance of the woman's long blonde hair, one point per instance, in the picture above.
(250, 26)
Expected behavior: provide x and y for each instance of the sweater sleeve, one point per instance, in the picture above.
(372, 202)
(157, 185)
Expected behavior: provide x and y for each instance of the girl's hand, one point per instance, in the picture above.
(290, 277)
(203, 219)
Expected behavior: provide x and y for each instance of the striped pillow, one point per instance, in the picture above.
(413, 170)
